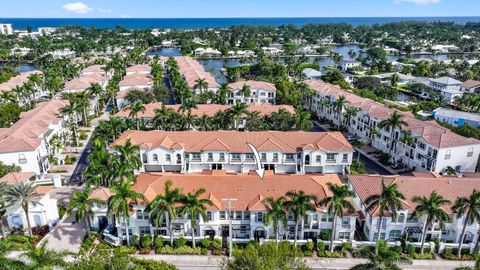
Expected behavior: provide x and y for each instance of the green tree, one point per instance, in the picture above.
(391, 124)
(298, 204)
(276, 213)
(468, 208)
(23, 195)
(136, 108)
(194, 206)
(384, 259)
(82, 204)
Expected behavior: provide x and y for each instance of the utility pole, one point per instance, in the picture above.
(229, 207)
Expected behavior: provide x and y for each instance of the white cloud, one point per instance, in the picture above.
(125, 16)
(104, 10)
(77, 7)
(419, 2)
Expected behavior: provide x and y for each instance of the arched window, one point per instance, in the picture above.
(144, 158)
(401, 218)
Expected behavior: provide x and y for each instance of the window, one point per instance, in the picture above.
(275, 157)
(401, 218)
(236, 157)
(448, 154)
(259, 217)
(314, 218)
(344, 235)
(144, 158)
(289, 157)
(144, 230)
(324, 217)
(139, 214)
(210, 156)
(222, 215)
(222, 156)
(331, 157)
(318, 159)
(155, 158)
(421, 145)
(196, 156)
(263, 156)
(458, 168)
(346, 222)
(146, 215)
(395, 234)
(238, 215)
(168, 157)
(246, 215)
(382, 236)
(345, 158)
(209, 216)
(470, 152)
(217, 167)
(22, 159)
(419, 157)
(249, 157)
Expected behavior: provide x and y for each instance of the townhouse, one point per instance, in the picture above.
(137, 78)
(192, 71)
(419, 184)
(456, 118)
(448, 87)
(44, 212)
(209, 110)
(470, 86)
(27, 142)
(434, 148)
(260, 92)
(21, 80)
(280, 152)
(245, 209)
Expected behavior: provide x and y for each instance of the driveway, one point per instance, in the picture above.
(67, 235)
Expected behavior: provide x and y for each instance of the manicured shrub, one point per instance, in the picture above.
(205, 243)
(321, 249)
(179, 242)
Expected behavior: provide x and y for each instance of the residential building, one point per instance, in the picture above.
(207, 52)
(405, 222)
(470, 86)
(445, 83)
(312, 74)
(386, 78)
(137, 78)
(247, 212)
(444, 48)
(434, 147)
(46, 31)
(261, 92)
(63, 53)
(138, 69)
(456, 118)
(44, 212)
(209, 110)
(348, 64)
(280, 152)
(27, 142)
(192, 71)
(6, 29)
(271, 51)
(20, 80)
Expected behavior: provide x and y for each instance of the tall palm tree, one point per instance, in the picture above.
(222, 93)
(246, 91)
(201, 84)
(82, 204)
(394, 122)
(162, 115)
(23, 195)
(194, 206)
(339, 106)
(237, 111)
(302, 120)
(389, 199)
(469, 209)
(129, 153)
(96, 90)
(136, 108)
(432, 207)
(119, 203)
(100, 170)
(165, 205)
(276, 213)
(349, 113)
(82, 102)
(336, 204)
(71, 111)
(298, 204)
(204, 122)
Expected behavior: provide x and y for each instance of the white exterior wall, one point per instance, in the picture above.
(45, 213)
(258, 96)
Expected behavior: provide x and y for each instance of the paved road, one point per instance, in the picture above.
(68, 235)
(171, 99)
(82, 165)
(370, 166)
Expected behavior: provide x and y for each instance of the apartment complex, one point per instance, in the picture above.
(421, 184)
(246, 209)
(280, 152)
(137, 78)
(19, 81)
(260, 92)
(434, 147)
(27, 142)
(192, 71)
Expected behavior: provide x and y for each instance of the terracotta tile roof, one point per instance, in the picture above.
(124, 93)
(139, 68)
(101, 193)
(43, 189)
(26, 134)
(136, 79)
(253, 85)
(430, 131)
(18, 80)
(84, 81)
(192, 70)
(16, 177)
(249, 190)
(94, 69)
(208, 109)
(236, 142)
(410, 186)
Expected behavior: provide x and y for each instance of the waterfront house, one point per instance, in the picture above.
(192, 71)
(470, 86)
(456, 118)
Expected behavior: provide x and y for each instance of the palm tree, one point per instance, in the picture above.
(432, 207)
(245, 91)
(81, 203)
(6, 263)
(389, 199)
(100, 170)
(201, 84)
(119, 203)
(3, 209)
(237, 111)
(302, 120)
(276, 213)
(23, 195)
(336, 204)
(135, 108)
(204, 122)
(128, 153)
(165, 205)
(349, 113)
(194, 207)
(385, 259)
(162, 115)
(299, 203)
(338, 107)
(222, 93)
(449, 171)
(71, 111)
(96, 90)
(82, 102)
(42, 258)
(394, 122)
(8, 96)
(470, 208)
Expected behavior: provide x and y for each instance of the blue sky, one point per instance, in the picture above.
(237, 8)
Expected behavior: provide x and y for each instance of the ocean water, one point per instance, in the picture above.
(195, 23)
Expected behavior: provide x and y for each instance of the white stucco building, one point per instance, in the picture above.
(260, 92)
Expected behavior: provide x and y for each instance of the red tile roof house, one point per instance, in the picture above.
(209, 110)
(134, 81)
(247, 220)
(435, 147)
(44, 213)
(192, 70)
(417, 185)
(25, 143)
(280, 152)
(261, 92)
(20, 80)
